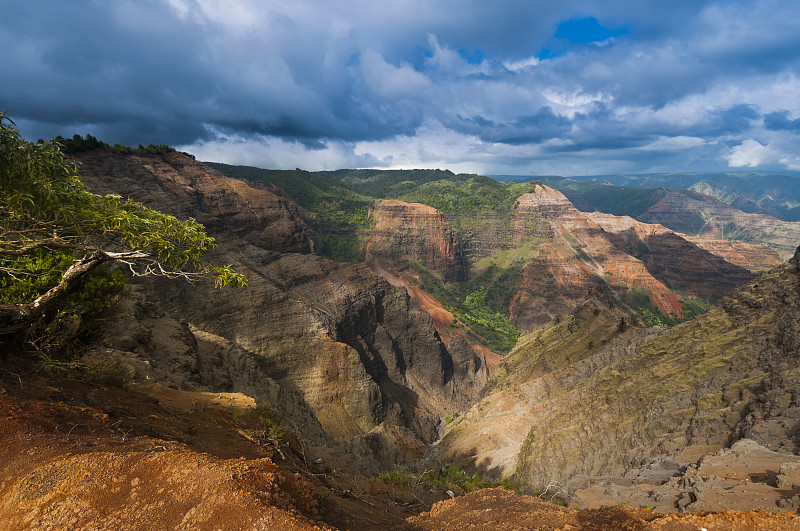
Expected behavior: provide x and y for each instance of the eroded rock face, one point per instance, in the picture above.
(678, 261)
(358, 358)
(416, 231)
(564, 408)
(587, 250)
(557, 254)
(753, 257)
(174, 183)
(711, 218)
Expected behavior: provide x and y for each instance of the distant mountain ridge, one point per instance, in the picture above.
(774, 194)
(689, 211)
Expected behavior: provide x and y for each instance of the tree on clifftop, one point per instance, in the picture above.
(52, 227)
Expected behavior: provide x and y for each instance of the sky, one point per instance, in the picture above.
(573, 87)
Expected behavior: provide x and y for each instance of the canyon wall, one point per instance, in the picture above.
(365, 362)
(583, 396)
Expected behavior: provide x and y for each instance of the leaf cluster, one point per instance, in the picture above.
(44, 205)
(449, 476)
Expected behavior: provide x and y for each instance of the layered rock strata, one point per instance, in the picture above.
(587, 250)
(711, 218)
(571, 387)
(417, 232)
(361, 359)
(558, 254)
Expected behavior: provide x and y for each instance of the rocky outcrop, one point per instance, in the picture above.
(746, 476)
(711, 218)
(753, 257)
(676, 260)
(677, 394)
(418, 232)
(260, 215)
(500, 508)
(580, 238)
(587, 250)
(359, 360)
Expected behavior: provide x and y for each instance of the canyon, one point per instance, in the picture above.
(353, 361)
(508, 337)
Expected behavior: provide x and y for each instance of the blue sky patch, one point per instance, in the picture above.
(585, 31)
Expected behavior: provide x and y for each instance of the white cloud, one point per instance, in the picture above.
(779, 152)
(673, 143)
(752, 154)
(277, 153)
(568, 103)
(522, 63)
(390, 82)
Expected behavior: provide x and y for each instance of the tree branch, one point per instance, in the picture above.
(51, 243)
(15, 317)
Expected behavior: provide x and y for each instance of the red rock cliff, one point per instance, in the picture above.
(418, 232)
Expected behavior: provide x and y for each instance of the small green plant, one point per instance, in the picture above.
(448, 476)
(508, 484)
(111, 373)
(271, 431)
(236, 415)
(395, 477)
(450, 418)
(52, 364)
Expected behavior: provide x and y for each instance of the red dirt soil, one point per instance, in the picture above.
(79, 455)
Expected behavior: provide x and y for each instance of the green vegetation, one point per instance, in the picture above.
(639, 299)
(271, 429)
(691, 308)
(387, 184)
(448, 476)
(339, 216)
(478, 313)
(77, 143)
(467, 194)
(450, 418)
(444, 478)
(471, 307)
(396, 477)
(55, 236)
(234, 412)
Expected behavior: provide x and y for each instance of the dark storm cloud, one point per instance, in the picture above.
(455, 82)
(543, 125)
(779, 121)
